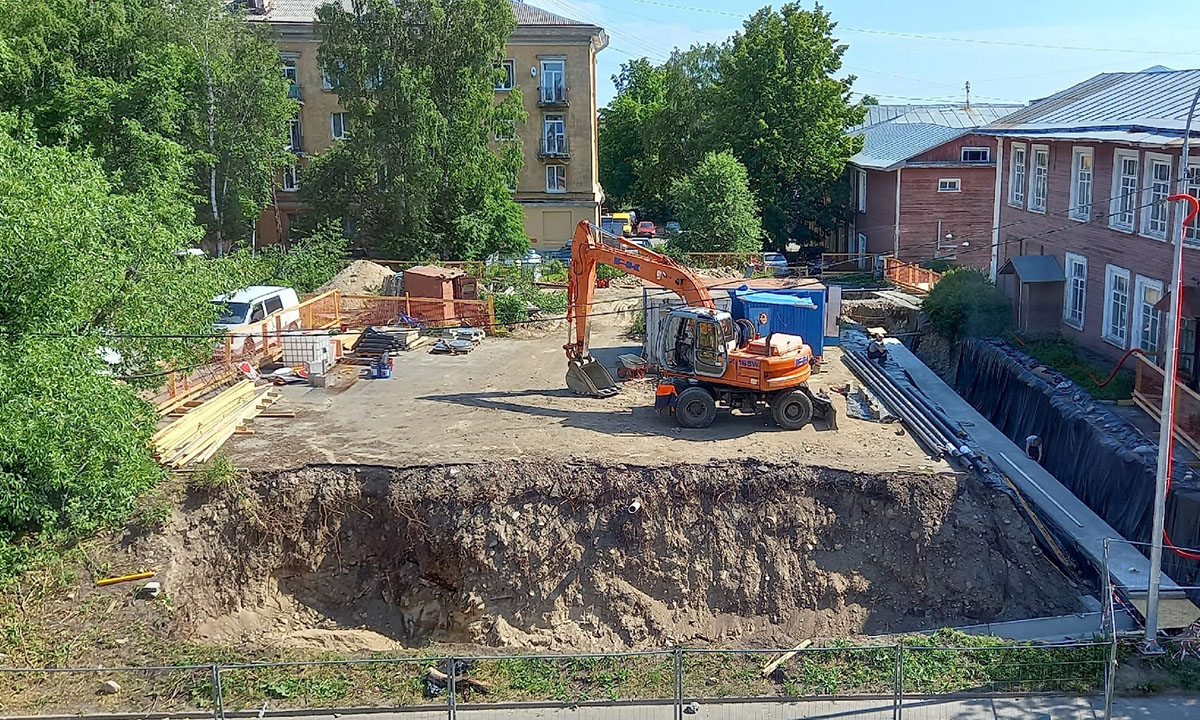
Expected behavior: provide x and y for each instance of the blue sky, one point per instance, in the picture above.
(904, 69)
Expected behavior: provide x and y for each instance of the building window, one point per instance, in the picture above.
(860, 186)
(1039, 182)
(949, 184)
(1125, 190)
(327, 82)
(1192, 233)
(1081, 184)
(1158, 187)
(1016, 176)
(554, 135)
(339, 126)
(1076, 290)
(1116, 306)
(291, 181)
(1149, 321)
(976, 155)
(506, 130)
(553, 85)
(509, 81)
(289, 69)
(295, 139)
(556, 178)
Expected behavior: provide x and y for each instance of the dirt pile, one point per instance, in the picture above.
(555, 556)
(361, 277)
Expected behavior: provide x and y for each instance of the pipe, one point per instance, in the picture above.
(124, 578)
(635, 506)
(886, 384)
(882, 387)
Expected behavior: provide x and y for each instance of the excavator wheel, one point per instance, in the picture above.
(792, 409)
(696, 408)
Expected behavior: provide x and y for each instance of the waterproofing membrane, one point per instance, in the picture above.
(1093, 452)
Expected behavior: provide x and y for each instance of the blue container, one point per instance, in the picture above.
(793, 311)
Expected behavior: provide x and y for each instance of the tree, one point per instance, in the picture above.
(966, 303)
(87, 269)
(418, 174)
(715, 205)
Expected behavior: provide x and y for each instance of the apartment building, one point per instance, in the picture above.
(1083, 176)
(550, 59)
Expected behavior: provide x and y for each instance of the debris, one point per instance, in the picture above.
(124, 578)
(150, 590)
(121, 641)
(691, 708)
(110, 687)
(439, 678)
(774, 664)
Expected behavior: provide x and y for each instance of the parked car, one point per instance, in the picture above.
(776, 262)
(646, 229)
(251, 305)
(672, 227)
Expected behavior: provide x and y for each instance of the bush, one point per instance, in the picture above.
(938, 265)
(311, 261)
(715, 204)
(965, 303)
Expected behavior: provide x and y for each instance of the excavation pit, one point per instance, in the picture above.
(599, 557)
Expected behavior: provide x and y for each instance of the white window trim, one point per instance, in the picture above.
(564, 175)
(1193, 163)
(953, 185)
(1141, 285)
(860, 189)
(1013, 186)
(1073, 211)
(986, 151)
(1111, 272)
(1071, 259)
(1148, 162)
(345, 135)
(1033, 152)
(295, 172)
(1114, 200)
(542, 62)
(513, 63)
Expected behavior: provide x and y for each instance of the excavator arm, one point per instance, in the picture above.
(588, 250)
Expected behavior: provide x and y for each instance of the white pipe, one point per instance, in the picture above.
(635, 506)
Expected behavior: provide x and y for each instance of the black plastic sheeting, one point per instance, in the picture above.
(1092, 451)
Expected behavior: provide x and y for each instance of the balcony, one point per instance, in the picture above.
(294, 92)
(554, 146)
(552, 96)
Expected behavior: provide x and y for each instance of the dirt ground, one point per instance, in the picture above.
(539, 555)
(508, 399)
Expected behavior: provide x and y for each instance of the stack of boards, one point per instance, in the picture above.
(201, 430)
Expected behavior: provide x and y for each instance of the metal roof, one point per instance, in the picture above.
(1034, 268)
(1151, 101)
(304, 11)
(891, 141)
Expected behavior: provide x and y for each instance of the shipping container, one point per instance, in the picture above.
(431, 281)
(795, 311)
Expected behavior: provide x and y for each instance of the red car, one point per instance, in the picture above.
(646, 229)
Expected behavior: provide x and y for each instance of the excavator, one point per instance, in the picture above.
(708, 358)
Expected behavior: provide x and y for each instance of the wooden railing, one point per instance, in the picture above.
(908, 276)
(1147, 394)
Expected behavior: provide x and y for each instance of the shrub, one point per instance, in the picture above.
(715, 204)
(938, 265)
(311, 261)
(965, 303)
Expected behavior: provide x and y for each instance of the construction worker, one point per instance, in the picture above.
(876, 350)
(1033, 448)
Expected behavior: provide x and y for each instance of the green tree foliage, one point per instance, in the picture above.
(83, 263)
(716, 206)
(140, 84)
(419, 174)
(770, 94)
(966, 303)
(309, 263)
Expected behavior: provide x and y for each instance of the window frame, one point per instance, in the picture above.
(1077, 210)
(1017, 185)
(290, 68)
(510, 65)
(326, 81)
(1111, 273)
(949, 185)
(560, 145)
(987, 154)
(295, 135)
(1118, 192)
(1152, 161)
(345, 133)
(559, 170)
(1141, 285)
(1191, 186)
(542, 62)
(1071, 260)
(294, 173)
(1034, 151)
(860, 190)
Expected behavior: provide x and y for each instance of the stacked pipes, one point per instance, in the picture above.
(926, 422)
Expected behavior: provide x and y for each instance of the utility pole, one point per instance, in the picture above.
(1167, 421)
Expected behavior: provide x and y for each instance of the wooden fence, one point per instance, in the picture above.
(1147, 394)
(908, 276)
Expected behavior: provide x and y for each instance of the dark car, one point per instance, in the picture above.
(646, 229)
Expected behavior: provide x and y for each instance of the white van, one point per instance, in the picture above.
(255, 303)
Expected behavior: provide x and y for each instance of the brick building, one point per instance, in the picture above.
(1083, 178)
(924, 183)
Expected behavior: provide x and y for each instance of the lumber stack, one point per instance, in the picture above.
(197, 434)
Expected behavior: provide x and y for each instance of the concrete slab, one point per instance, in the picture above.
(1055, 504)
(1081, 626)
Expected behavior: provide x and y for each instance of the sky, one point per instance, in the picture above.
(1088, 38)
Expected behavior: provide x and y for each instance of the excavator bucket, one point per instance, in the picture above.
(588, 377)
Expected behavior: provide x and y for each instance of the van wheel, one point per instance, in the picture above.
(696, 408)
(792, 409)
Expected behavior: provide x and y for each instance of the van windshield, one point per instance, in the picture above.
(233, 313)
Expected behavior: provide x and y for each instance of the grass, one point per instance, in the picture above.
(1066, 358)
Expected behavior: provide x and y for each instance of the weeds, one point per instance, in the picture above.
(1065, 357)
(217, 474)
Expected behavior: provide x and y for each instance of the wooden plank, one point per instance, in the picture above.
(774, 664)
(206, 445)
(209, 409)
(1144, 403)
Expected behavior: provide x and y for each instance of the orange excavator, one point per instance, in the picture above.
(708, 358)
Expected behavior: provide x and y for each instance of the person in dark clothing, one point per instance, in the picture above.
(876, 350)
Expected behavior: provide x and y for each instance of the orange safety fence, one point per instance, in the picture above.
(363, 310)
(909, 276)
(1147, 394)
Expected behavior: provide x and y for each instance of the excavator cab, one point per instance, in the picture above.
(697, 341)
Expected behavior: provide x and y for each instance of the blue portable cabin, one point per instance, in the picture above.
(795, 311)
